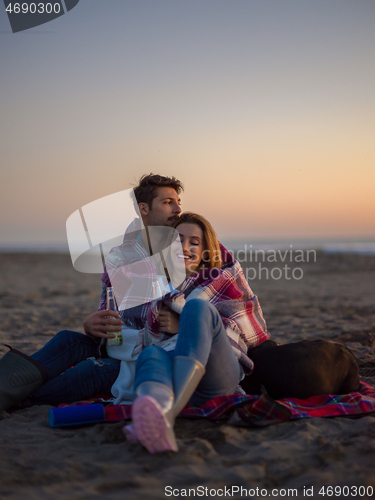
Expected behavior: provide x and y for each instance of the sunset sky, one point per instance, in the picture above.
(264, 109)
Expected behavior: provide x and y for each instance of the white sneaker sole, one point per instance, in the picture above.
(151, 427)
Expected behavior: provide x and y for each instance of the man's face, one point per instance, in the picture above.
(165, 209)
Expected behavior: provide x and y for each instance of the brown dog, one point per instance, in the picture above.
(302, 369)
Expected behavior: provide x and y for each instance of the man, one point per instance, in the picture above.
(69, 367)
(159, 204)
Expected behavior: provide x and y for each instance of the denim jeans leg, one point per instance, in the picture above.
(86, 379)
(202, 336)
(65, 349)
(154, 364)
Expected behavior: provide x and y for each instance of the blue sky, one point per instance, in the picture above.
(264, 109)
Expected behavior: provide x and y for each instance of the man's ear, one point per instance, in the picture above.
(143, 208)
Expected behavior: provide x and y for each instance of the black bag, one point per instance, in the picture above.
(302, 369)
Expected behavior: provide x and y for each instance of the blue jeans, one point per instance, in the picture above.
(75, 369)
(201, 336)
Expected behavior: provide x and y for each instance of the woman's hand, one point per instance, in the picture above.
(99, 323)
(169, 321)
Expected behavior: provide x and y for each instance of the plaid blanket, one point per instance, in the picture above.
(261, 410)
(225, 288)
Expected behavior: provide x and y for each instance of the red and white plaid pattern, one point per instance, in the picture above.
(227, 289)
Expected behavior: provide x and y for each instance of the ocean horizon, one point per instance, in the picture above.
(364, 246)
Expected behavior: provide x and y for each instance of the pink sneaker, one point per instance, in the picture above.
(151, 426)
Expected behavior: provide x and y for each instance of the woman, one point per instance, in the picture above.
(217, 318)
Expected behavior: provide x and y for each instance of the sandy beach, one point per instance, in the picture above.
(332, 298)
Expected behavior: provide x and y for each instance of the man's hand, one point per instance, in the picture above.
(98, 324)
(169, 321)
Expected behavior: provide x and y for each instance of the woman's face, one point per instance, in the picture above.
(191, 238)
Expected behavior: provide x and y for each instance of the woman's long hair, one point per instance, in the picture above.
(211, 256)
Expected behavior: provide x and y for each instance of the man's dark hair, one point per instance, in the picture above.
(148, 185)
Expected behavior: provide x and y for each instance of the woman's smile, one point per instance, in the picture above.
(192, 246)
